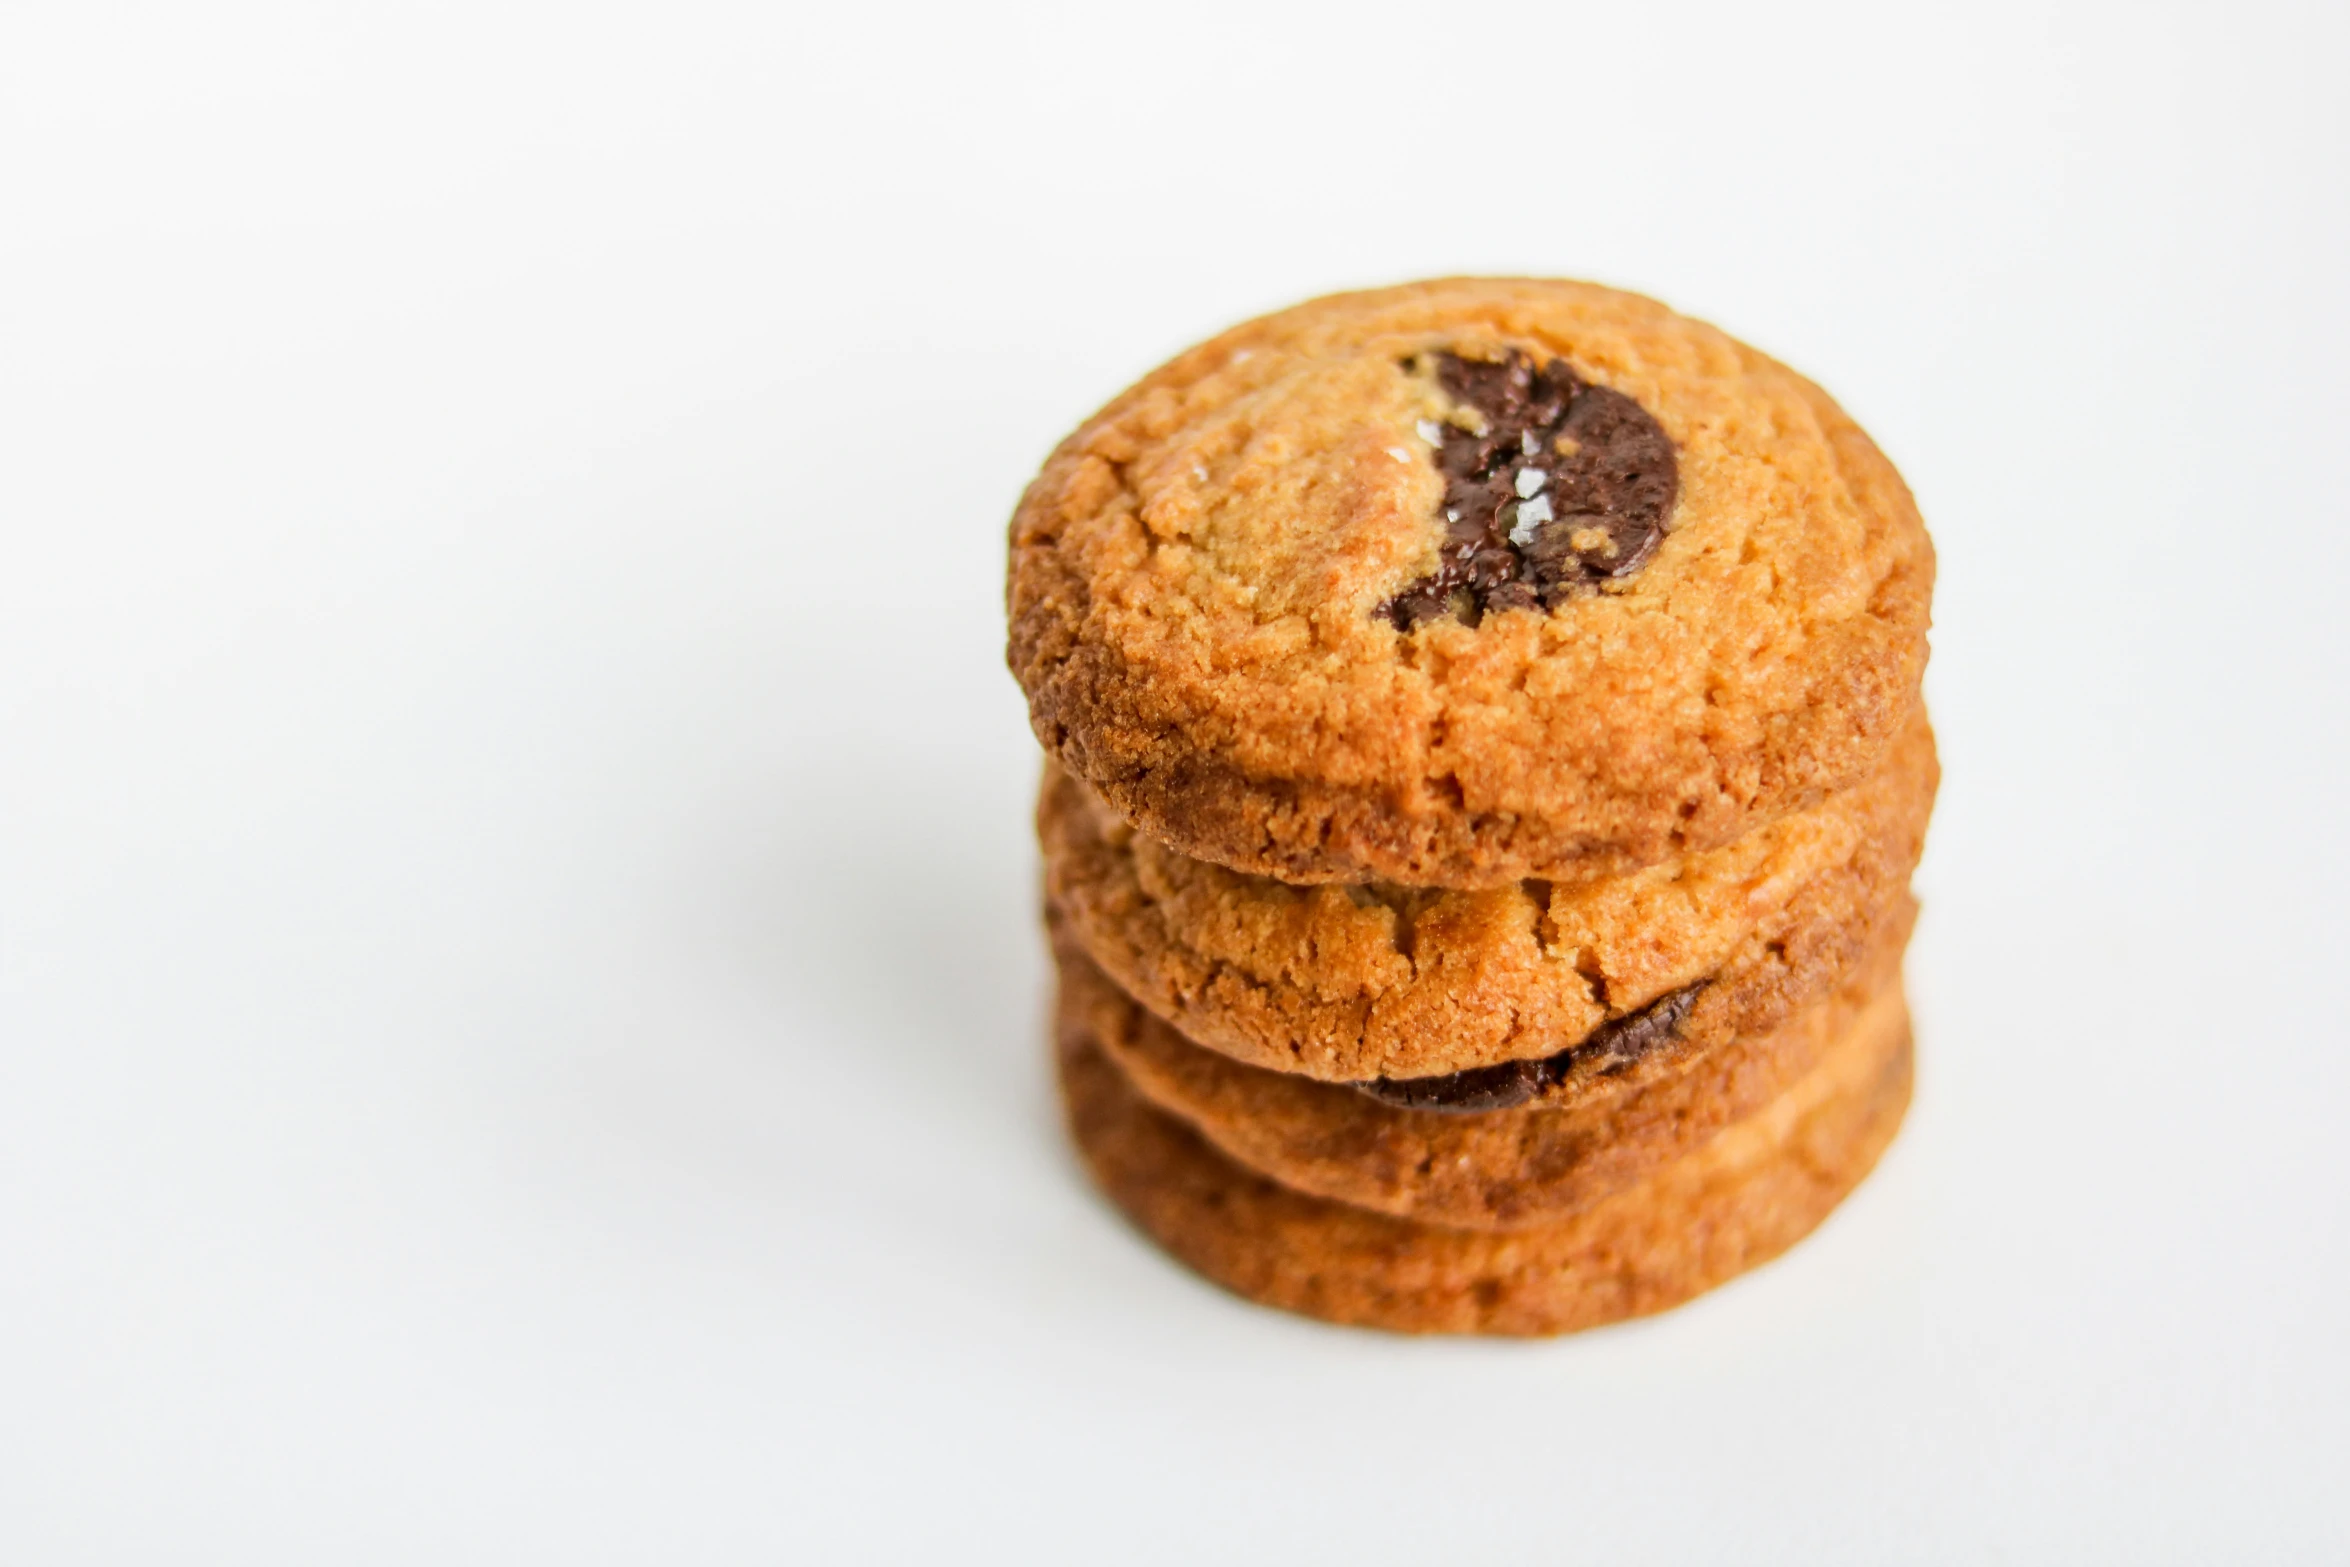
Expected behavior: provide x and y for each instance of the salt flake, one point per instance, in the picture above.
(1531, 516)
(1530, 480)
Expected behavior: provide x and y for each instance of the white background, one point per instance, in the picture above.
(520, 1003)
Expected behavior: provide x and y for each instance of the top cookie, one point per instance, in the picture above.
(1465, 582)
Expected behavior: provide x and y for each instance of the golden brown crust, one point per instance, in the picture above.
(1196, 575)
(1350, 983)
(1735, 1202)
(1498, 1169)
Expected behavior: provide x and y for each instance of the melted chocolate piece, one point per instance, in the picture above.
(1486, 1088)
(1569, 485)
(1611, 1047)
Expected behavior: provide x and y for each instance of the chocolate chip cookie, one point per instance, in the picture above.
(1372, 980)
(1735, 1201)
(1485, 769)
(1501, 1168)
(1466, 583)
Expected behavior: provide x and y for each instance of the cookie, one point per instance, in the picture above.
(1738, 1200)
(1350, 983)
(1497, 1169)
(1464, 583)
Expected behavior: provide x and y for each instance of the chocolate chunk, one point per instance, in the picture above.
(1486, 1088)
(1567, 485)
(1619, 1042)
(1609, 1049)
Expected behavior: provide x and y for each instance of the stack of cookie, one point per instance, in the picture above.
(1487, 765)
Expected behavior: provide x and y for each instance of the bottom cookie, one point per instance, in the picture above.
(1736, 1201)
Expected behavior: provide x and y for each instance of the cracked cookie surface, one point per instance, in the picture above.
(1499, 1169)
(1203, 579)
(1354, 982)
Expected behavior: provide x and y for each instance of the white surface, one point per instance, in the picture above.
(519, 999)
